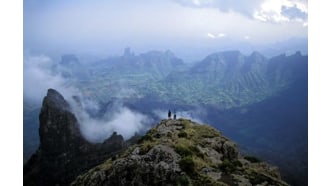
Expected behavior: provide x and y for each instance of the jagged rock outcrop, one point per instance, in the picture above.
(63, 152)
(181, 152)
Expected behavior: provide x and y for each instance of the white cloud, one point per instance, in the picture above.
(119, 119)
(210, 35)
(196, 2)
(282, 11)
(263, 10)
(305, 24)
(218, 36)
(221, 35)
(39, 77)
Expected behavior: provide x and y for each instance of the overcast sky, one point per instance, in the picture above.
(108, 26)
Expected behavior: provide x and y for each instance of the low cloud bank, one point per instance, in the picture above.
(117, 118)
(40, 74)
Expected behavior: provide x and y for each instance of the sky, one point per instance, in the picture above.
(106, 27)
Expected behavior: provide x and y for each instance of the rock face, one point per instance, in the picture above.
(63, 152)
(181, 152)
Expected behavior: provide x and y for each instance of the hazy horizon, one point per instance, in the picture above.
(189, 28)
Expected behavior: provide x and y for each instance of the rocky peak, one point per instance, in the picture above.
(58, 129)
(114, 140)
(63, 153)
(182, 152)
(55, 100)
(257, 56)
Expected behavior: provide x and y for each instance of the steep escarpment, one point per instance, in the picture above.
(63, 153)
(181, 152)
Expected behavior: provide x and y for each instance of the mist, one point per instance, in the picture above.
(40, 74)
(117, 118)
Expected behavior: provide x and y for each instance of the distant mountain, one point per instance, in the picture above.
(225, 79)
(70, 68)
(155, 64)
(230, 79)
(283, 71)
(128, 74)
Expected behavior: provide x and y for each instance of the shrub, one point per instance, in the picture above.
(256, 178)
(157, 135)
(145, 148)
(183, 150)
(187, 164)
(206, 181)
(183, 180)
(196, 151)
(252, 159)
(146, 137)
(182, 134)
(237, 163)
(227, 166)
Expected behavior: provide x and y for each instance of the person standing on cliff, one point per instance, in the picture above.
(169, 114)
(174, 116)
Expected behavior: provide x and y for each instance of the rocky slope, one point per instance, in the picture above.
(181, 152)
(63, 153)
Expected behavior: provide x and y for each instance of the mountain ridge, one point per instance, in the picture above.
(228, 78)
(182, 152)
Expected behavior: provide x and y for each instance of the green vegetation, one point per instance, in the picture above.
(104, 166)
(192, 159)
(188, 165)
(145, 147)
(228, 166)
(202, 131)
(183, 150)
(182, 134)
(207, 181)
(144, 138)
(259, 178)
(183, 181)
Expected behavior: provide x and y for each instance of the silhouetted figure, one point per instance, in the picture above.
(169, 114)
(174, 116)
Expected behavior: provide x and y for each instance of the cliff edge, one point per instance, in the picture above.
(181, 152)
